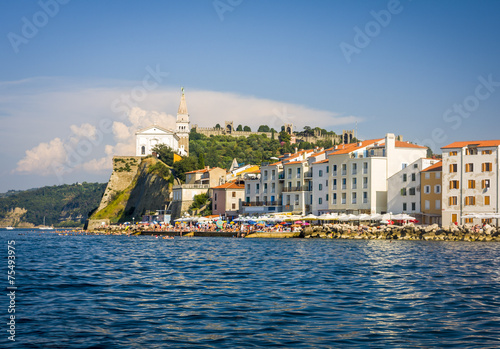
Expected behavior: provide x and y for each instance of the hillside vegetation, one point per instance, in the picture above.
(63, 205)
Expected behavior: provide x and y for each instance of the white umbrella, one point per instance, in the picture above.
(310, 217)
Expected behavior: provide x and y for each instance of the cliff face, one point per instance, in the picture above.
(132, 193)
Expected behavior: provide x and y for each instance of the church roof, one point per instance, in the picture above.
(183, 110)
(152, 130)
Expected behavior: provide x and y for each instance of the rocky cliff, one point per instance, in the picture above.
(136, 187)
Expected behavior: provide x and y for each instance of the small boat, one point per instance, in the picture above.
(9, 228)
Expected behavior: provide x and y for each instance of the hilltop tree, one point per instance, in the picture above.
(165, 153)
(201, 161)
(239, 128)
(263, 128)
(217, 127)
(247, 129)
(187, 164)
(284, 137)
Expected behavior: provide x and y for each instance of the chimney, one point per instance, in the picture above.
(296, 149)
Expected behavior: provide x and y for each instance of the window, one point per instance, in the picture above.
(427, 175)
(344, 183)
(453, 153)
(412, 191)
(354, 183)
(427, 189)
(413, 206)
(403, 165)
(403, 191)
(486, 200)
(354, 169)
(471, 184)
(485, 183)
(320, 173)
(215, 196)
(413, 177)
(334, 198)
(289, 173)
(365, 197)
(486, 166)
(487, 221)
(353, 198)
(427, 205)
(453, 168)
(233, 194)
(404, 177)
(454, 217)
(248, 199)
(486, 152)
(233, 206)
(344, 169)
(454, 185)
(320, 186)
(143, 150)
(327, 197)
(265, 187)
(365, 182)
(265, 175)
(334, 170)
(257, 187)
(298, 172)
(320, 201)
(334, 186)
(438, 175)
(273, 175)
(470, 200)
(469, 220)
(453, 200)
(273, 188)
(415, 165)
(471, 151)
(327, 169)
(344, 198)
(438, 204)
(326, 183)
(365, 167)
(404, 206)
(469, 167)
(215, 206)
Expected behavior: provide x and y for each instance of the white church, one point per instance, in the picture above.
(178, 140)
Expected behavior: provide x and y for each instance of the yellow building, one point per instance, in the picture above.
(431, 193)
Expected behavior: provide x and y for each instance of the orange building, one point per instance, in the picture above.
(431, 194)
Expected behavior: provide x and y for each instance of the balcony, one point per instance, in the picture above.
(261, 203)
(281, 177)
(300, 188)
(191, 186)
(344, 172)
(308, 175)
(354, 186)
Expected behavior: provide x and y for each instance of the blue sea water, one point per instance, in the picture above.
(142, 292)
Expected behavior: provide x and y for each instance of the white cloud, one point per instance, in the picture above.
(73, 118)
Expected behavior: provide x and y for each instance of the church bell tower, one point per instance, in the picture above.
(182, 124)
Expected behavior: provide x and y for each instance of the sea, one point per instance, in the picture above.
(88, 291)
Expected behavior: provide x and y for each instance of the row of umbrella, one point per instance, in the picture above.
(482, 215)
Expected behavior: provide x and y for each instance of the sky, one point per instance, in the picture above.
(78, 78)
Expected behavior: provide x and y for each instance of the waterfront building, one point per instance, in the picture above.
(470, 181)
(178, 140)
(431, 193)
(208, 176)
(404, 188)
(226, 199)
(319, 172)
(359, 172)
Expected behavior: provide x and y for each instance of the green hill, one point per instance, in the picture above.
(63, 205)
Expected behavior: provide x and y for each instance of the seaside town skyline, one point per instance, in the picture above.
(331, 65)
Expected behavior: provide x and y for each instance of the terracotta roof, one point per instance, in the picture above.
(492, 143)
(400, 144)
(274, 164)
(438, 166)
(320, 162)
(198, 171)
(347, 148)
(230, 185)
(295, 162)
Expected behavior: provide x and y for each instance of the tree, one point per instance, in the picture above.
(273, 131)
(247, 129)
(201, 161)
(217, 127)
(239, 128)
(284, 137)
(187, 164)
(263, 128)
(165, 153)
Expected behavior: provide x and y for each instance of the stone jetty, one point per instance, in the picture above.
(406, 232)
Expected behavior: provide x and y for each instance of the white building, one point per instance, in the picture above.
(359, 173)
(403, 188)
(320, 195)
(147, 138)
(470, 181)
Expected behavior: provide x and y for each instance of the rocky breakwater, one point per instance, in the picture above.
(406, 232)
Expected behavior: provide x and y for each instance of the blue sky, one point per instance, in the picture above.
(421, 70)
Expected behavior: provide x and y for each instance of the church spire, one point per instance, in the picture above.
(182, 106)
